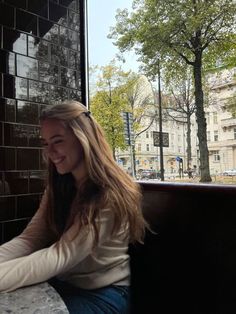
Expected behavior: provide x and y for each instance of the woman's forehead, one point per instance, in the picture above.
(52, 126)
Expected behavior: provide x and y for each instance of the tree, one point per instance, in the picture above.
(180, 104)
(231, 105)
(140, 103)
(196, 32)
(119, 91)
(108, 103)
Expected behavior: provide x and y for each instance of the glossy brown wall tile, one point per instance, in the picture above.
(40, 63)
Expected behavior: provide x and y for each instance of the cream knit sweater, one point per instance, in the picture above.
(26, 259)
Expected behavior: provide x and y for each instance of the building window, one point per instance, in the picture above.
(216, 155)
(147, 134)
(208, 136)
(215, 136)
(215, 118)
(235, 133)
(148, 148)
(139, 147)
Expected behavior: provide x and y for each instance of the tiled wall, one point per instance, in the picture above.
(40, 62)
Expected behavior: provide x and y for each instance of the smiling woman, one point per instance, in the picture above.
(80, 234)
(63, 148)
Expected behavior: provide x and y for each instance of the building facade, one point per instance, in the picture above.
(221, 134)
(221, 125)
(147, 156)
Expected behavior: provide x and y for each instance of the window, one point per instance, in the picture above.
(215, 118)
(207, 117)
(216, 155)
(208, 136)
(220, 128)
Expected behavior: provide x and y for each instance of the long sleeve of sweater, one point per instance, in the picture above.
(60, 257)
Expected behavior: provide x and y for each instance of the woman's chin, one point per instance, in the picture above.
(61, 171)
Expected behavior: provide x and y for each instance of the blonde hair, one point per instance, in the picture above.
(114, 188)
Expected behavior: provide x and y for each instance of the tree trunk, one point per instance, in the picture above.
(201, 121)
(189, 147)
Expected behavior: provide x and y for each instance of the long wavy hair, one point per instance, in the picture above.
(106, 186)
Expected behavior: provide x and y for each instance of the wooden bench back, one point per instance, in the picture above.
(189, 264)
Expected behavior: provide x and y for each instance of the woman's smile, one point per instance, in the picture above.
(58, 160)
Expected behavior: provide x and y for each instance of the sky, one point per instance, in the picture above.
(101, 16)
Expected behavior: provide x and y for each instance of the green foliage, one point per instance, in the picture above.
(119, 91)
(109, 101)
(176, 30)
(106, 109)
(199, 33)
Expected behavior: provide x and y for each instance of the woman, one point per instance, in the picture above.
(89, 213)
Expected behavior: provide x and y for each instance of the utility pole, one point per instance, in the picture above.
(160, 123)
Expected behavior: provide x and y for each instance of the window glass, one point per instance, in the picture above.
(177, 137)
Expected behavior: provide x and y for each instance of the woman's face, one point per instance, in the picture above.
(63, 148)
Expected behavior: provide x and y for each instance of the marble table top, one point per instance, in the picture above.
(37, 299)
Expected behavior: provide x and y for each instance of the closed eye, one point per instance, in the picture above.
(57, 142)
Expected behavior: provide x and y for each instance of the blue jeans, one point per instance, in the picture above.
(112, 299)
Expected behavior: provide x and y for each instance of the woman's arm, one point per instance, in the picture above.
(56, 259)
(35, 236)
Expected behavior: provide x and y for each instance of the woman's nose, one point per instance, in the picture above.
(50, 149)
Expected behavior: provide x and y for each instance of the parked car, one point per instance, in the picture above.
(231, 172)
(150, 174)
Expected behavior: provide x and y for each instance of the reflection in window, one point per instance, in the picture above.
(21, 88)
(10, 110)
(27, 67)
(59, 55)
(73, 20)
(48, 72)
(27, 112)
(38, 49)
(58, 93)
(74, 59)
(68, 38)
(15, 41)
(39, 92)
(48, 30)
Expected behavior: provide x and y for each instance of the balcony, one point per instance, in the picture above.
(226, 123)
